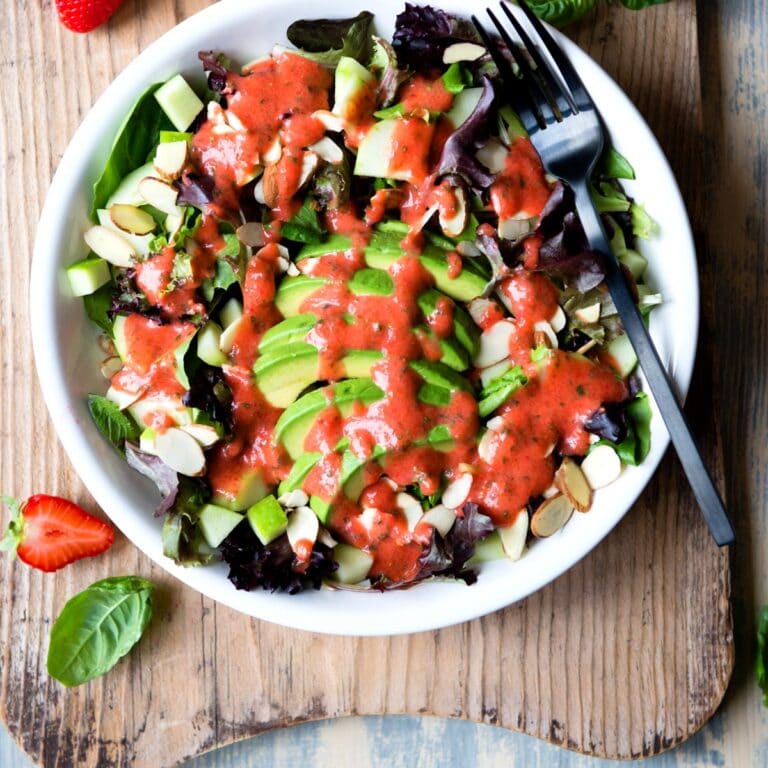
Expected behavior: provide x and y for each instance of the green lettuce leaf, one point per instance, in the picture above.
(327, 40)
(136, 141)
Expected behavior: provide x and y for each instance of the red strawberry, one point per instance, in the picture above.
(85, 15)
(49, 532)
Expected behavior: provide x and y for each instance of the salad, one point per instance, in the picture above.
(351, 327)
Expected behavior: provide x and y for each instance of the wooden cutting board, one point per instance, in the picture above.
(626, 655)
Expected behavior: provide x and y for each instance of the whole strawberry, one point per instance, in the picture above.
(85, 15)
(48, 532)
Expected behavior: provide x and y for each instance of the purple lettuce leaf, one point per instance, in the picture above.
(195, 189)
(422, 33)
(166, 480)
(217, 66)
(609, 422)
(252, 565)
(127, 298)
(564, 250)
(208, 391)
(448, 556)
(458, 155)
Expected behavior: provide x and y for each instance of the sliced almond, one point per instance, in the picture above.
(590, 314)
(440, 518)
(494, 343)
(180, 451)
(170, 159)
(551, 516)
(468, 249)
(121, 398)
(139, 243)
(234, 121)
(173, 222)
(493, 155)
(131, 219)
(514, 228)
(479, 308)
(282, 264)
(110, 246)
(159, 194)
(110, 366)
(514, 536)
(462, 52)
(454, 219)
(411, 509)
(205, 434)
(309, 163)
(558, 320)
(302, 526)
(496, 424)
(543, 333)
(330, 120)
(293, 270)
(484, 446)
(273, 153)
(601, 466)
(456, 492)
(328, 150)
(267, 189)
(251, 234)
(571, 481)
(293, 499)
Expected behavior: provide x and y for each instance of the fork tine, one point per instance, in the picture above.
(572, 80)
(535, 90)
(525, 106)
(557, 93)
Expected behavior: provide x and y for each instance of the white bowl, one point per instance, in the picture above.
(67, 357)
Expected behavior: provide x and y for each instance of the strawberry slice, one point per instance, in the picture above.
(48, 532)
(85, 15)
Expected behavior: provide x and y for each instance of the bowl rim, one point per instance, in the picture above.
(316, 611)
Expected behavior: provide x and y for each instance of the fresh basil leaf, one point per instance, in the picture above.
(304, 227)
(136, 138)
(111, 421)
(615, 166)
(327, 40)
(636, 5)
(97, 627)
(761, 668)
(97, 305)
(561, 12)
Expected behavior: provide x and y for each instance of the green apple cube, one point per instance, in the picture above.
(216, 523)
(179, 102)
(268, 519)
(88, 275)
(354, 564)
(208, 349)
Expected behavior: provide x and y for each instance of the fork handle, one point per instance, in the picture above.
(699, 478)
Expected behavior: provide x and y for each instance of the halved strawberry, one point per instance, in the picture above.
(48, 532)
(85, 15)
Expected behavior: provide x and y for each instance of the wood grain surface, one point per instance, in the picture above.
(626, 655)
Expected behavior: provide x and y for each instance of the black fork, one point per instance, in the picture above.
(565, 127)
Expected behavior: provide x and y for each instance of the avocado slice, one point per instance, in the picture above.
(357, 363)
(289, 331)
(464, 328)
(282, 377)
(454, 354)
(440, 375)
(301, 468)
(371, 281)
(334, 244)
(268, 519)
(295, 423)
(293, 291)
